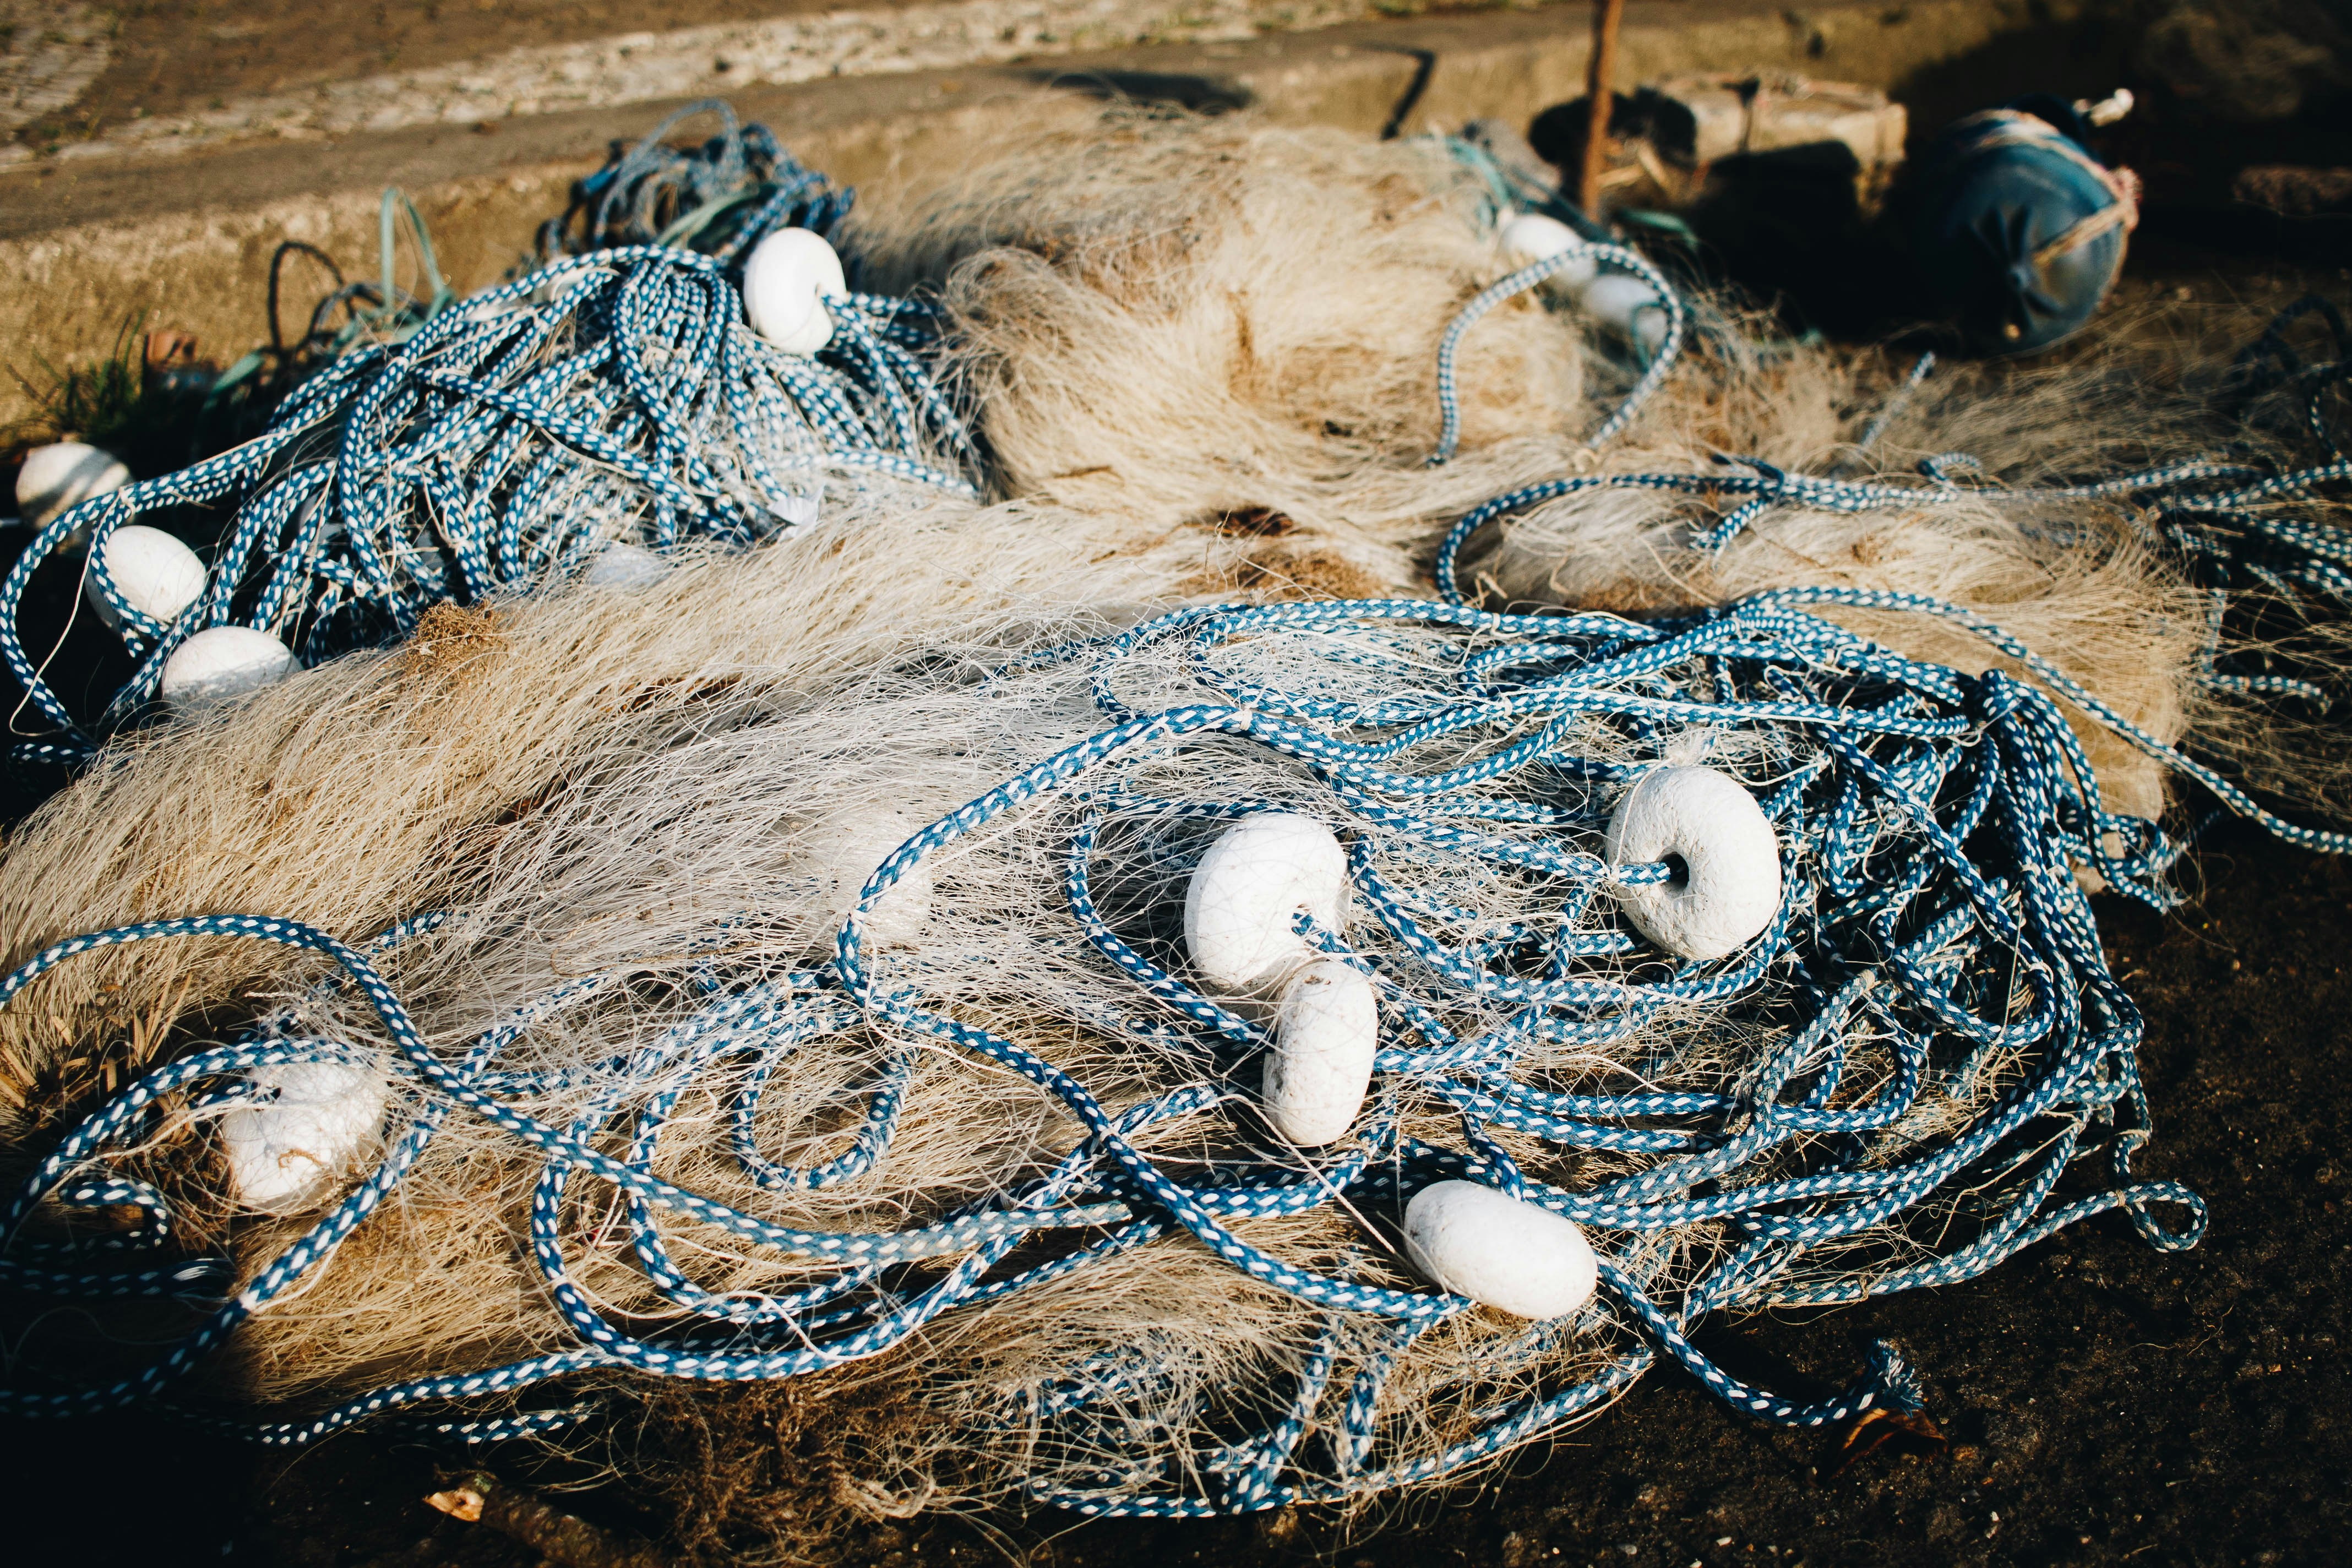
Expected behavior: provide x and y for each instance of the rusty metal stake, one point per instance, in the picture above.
(1600, 98)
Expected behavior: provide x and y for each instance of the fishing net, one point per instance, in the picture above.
(675, 1087)
(774, 972)
(1179, 318)
(613, 401)
(1264, 333)
(2161, 516)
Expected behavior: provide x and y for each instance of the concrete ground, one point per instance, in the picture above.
(172, 57)
(110, 221)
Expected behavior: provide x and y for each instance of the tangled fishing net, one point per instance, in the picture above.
(994, 1122)
(616, 401)
(1329, 345)
(778, 968)
(2166, 524)
(1222, 323)
(1262, 335)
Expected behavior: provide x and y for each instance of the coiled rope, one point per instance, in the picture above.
(1933, 946)
(611, 398)
(2222, 520)
(2301, 553)
(1654, 375)
(719, 198)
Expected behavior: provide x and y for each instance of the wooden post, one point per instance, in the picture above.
(1600, 95)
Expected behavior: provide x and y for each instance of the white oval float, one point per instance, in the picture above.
(154, 572)
(1730, 887)
(782, 280)
(1498, 1250)
(621, 564)
(1237, 912)
(1327, 1030)
(221, 662)
(65, 474)
(286, 1152)
(1531, 237)
(1628, 306)
(844, 852)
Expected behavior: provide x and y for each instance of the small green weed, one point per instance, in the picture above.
(154, 424)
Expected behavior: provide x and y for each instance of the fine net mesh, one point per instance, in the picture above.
(776, 974)
(678, 1097)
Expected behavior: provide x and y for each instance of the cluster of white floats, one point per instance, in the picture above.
(155, 574)
(1241, 928)
(1618, 300)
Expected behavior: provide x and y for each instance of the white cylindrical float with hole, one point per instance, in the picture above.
(292, 1149)
(1327, 1029)
(1628, 306)
(782, 280)
(1531, 237)
(155, 573)
(1498, 1250)
(221, 662)
(65, 474)
(1729, 889)
(1239, 908)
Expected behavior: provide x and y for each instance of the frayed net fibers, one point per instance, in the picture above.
(983, 1125)
(2196, 593)
(1181, 318)
(1216, 322)
(329, 795)
(645, 1054)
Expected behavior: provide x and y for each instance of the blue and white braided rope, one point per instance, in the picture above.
(1932, 941)
(1653, 373)
(614, 397)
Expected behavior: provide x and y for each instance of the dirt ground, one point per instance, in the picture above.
(174, 55)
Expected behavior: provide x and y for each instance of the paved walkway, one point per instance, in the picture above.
(180, 77)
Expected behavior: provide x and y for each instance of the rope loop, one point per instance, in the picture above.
(1931, 942)
(613, 400)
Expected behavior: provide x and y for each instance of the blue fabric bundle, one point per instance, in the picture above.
(2019, 230)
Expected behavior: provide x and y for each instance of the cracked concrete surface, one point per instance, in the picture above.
(637, 67)
(49, 53)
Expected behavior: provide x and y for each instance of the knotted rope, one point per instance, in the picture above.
(1933, 1044)
(718, 198)
(614, 397)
